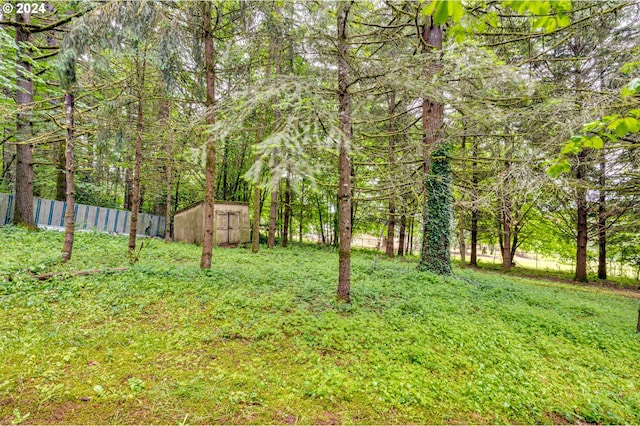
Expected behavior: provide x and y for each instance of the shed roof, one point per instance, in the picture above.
(216, 202)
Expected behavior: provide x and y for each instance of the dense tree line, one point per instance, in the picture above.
(512, 123)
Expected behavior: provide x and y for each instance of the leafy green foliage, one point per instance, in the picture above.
(441, 10)
(612, 127)
(260, 338)
(547, 15)
(632, 88)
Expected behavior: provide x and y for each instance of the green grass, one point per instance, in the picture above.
(261, 339)
(562, 275)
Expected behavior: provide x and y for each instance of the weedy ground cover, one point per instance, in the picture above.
(619, 282)
(260, 339)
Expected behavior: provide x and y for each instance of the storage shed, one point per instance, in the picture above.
(231, 223)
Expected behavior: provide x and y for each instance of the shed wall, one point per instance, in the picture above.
(189, 223)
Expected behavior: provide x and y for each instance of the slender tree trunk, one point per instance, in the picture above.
(401, 235)
(210, 167)
(292, 198)
(176, 196)
(167, 229)
(8, 154)
(255, 234)
(336, 223)
(301, 212)
(392, 205)
(344, 184)
(411, 235)
(135, 202)
(602, 221)
(435, 252)
(463, 246)
(320, 219)
(287, 212)
(506, 210)
(461, 241)
(257, 202)
(506, 233)
(225, 170)
(59, 148)
(128, 189)
(581, 250)
(23, 213)
(60, 172)
(273, 211)
(473, 261)
(69, 222)
(515, 232)
(391, 229)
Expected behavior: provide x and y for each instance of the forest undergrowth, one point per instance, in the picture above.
(260, 338)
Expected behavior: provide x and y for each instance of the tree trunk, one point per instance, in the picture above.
(435, 255)
(135, 199)
(401, 235)
(463, 246)
(300, 230)
(128, 189)
(61, 167)
(344, 184)
(8, 154)
(23, 213)
(287, 212)
(167, 228)
(273, 211)
(225, 170)
(336, 222)
(392, 206)
(602, 221)
(515, 232)
(391, 229)
(257, 202)
(473, 261)
(291, 217)
(506, 209)
(59, 148)
(581, 250)
(69, 222)
(210, 166)
(320, 219)
(410, 250)
(255, 234)
(506, 233)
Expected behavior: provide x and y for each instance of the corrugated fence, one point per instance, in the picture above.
(50, 214)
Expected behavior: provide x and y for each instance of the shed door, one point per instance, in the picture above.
(234, 227)
(222, 228)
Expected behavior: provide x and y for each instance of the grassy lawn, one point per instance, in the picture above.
(559, 275)
(261, 339)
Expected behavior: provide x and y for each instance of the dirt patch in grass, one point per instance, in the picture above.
(327, 418)
(73, 412)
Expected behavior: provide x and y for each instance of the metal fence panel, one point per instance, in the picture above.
(50, 214)
(5, 205)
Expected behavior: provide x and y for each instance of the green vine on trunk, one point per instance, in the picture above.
(435, 256)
